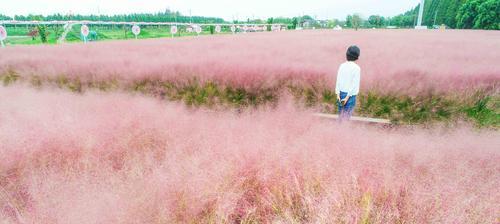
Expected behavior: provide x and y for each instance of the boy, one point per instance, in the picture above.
(347, 86)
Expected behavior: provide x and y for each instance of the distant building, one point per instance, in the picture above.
(322, 23)
(306, 23)
(310, 23)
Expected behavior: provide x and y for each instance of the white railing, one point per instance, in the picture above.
(15, 22)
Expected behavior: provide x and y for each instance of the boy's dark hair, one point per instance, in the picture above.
(353, 53)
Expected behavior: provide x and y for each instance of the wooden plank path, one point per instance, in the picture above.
(353, 118)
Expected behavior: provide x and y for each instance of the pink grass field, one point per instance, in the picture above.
(401, 61)
(118, 158)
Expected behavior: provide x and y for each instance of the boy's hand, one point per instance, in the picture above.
(344, 101)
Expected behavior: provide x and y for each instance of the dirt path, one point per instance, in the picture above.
(68, 28)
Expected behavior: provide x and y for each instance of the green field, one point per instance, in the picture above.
(18, 35)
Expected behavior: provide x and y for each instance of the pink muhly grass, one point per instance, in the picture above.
(117, 158)
(401, 61)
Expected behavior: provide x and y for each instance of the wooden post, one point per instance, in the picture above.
(360, 119)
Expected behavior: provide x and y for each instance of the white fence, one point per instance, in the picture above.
(190, 27)
(15, 22)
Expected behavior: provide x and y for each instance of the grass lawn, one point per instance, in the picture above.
(19, 35)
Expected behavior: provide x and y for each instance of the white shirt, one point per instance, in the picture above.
(348, 78)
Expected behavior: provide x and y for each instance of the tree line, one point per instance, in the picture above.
(166, 16)
(460, 14)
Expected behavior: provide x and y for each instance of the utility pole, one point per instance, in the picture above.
(98, 9)
(420, 13)
(175, 16)
(435, 16)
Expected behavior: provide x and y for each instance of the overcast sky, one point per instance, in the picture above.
(227, 9)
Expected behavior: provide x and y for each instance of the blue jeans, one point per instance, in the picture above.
(345, 111)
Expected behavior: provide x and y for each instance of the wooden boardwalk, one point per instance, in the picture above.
(353, 118)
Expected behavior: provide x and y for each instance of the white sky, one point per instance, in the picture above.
(227, 9)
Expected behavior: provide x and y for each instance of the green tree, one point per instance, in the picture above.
(42, 31)
(467, 14)
(479, 14)
(436, 12)
(356, 21)
(294, 23)
(451, 12)
(4, 17)
(166, 16)
(333, 22)
(307, 17)
(348, 21)
(406, 19)
(269, 21)
(376, 20)
(488, 15)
